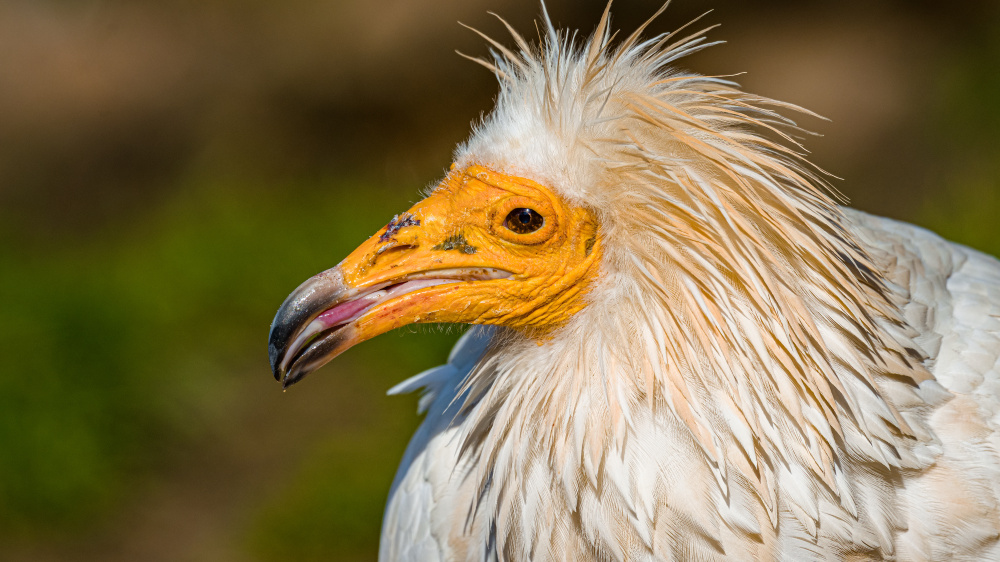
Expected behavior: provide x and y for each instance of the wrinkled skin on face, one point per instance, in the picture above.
(483, 248)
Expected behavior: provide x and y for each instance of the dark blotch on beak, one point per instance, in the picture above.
(308, 301)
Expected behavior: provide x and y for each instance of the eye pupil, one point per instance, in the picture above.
(523, 221)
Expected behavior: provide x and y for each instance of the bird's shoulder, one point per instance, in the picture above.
(950, 296)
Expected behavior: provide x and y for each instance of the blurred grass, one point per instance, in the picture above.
(331, 507)
(114, 344)
(963, 126)
(328, 512)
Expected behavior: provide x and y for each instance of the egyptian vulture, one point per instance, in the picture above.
(684, 348)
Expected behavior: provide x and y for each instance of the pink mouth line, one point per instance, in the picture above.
(356, 306)
(353, 309)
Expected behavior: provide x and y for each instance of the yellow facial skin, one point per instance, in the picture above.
(462, 226)
(498, 272)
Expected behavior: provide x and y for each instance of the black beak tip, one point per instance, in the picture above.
(310, 299)
(277, 347)
(275, 353)
(291, 378)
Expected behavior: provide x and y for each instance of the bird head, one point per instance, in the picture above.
(483, 248)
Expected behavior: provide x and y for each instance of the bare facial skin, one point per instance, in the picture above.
(483, 248)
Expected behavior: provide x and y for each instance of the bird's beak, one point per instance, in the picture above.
(448, 259)
(327, 315)
(412, 271)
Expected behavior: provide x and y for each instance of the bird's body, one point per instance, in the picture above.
(944, 509)
(691, 352)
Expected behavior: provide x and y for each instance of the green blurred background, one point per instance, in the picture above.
(170, 171)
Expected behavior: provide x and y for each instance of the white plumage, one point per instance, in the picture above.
(943, 506)
(759, 373)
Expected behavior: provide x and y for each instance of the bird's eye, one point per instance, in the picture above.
(523, 221)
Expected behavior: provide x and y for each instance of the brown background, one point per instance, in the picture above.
(169, 171)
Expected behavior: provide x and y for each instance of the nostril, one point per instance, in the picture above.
(390, 248)
(395, 247)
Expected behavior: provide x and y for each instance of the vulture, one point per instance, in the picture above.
(683, 346)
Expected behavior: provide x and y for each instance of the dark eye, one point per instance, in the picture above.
(523, 221)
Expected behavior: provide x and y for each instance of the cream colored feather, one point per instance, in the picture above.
(760, 374)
